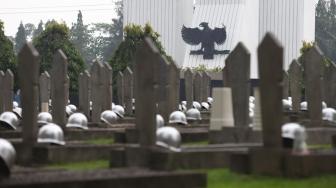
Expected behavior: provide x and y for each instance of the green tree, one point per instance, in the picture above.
(57, 36)
(80, 37)
(39, 29)
(20, 38)
(107, 36)
(124, 55)
(29, 28)
(7, 55)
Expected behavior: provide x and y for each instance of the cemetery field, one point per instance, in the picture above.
(224, 179)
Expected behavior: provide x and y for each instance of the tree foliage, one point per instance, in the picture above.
(39, 30)
(326, 27)
(57, 36)
(20, 38)
(80, 37)
(134, 34)
(7, 55)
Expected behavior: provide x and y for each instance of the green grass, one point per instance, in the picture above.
(326, 146)
(225, 179)
(88, 165)
(101, 141)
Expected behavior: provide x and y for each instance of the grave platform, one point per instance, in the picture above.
(316, 136)
(190, 157)
(117, 178)
(283, 163)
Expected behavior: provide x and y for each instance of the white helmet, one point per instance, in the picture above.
(9, 120)
(210, 100)
(109, 117)
(178, 117)
(304, 105)
(193, 114)
(324, 105)
(18, 112)
(15, 104)
(51, 134)
(7, 155)
(288, 130)
(159, 121)
(119, 110)
(197, 105)
(205, 106)
(44, 118)
(251, 99)
(184, 103)
(77, 120)
(329, 114)
(286, 105)
(168, 137)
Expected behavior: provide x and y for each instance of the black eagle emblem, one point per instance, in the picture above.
(207, 37)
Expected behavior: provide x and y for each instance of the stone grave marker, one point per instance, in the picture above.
(97, 92)
(221, 111)
(128, 91)
(59, 88)
(238, 79)
(174, 88)
(2, 75)
(312, 62)
(164, 87)
(329, 80)
(206, 79)
(257, 124)
(285, 90)
(189, 90)
(44, 91)
(84, 91)
(8, 86)
(146, 80)
(120, 88)
(295, 79)
(225, 77)
(28, 70)
(107, 86)
(198, 87)
(270, 58)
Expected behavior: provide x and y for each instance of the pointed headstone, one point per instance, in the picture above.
(238, 79)
(312, 62)
(97, 91)
(2, 76)
(285, 89)
(225, 77)
(29, 70)
(8, 86)
(198, 87)
(59, 88)
(295, 82)
(44, 91)
(120, 88)
(270, 58)
(107, 70)
(329, 79)
(206, 79)
(174, 88)
(257, 120)
(163, 91)
(146, 67)
(189, 90)
(84, 91)
(128, 91)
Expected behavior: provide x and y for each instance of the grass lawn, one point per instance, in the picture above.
(101, 141)
(88, 165)
(224, 179)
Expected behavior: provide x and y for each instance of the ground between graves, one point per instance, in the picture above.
(223, 178)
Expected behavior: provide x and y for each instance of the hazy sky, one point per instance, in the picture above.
(32, 11)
